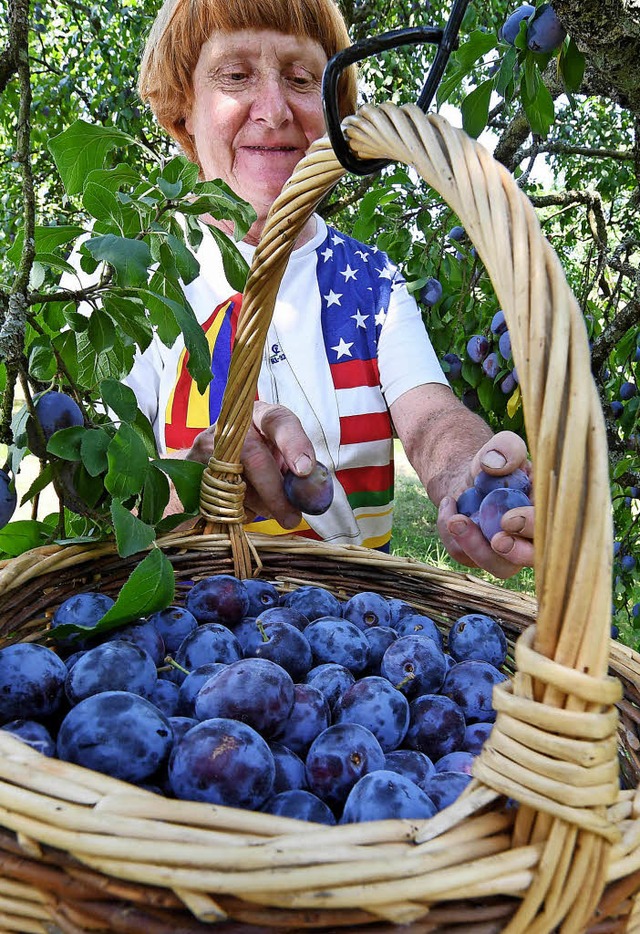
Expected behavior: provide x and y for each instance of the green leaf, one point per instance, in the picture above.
(120, 399)
(539, 110)
(471, 373)
(42, 481)
(114, 179)
(475, 47)
(128, 463)
(47, 239)
(66, 345)
(149, 588)
(155, 496)
(132, 535)
(199, 363)
(42, 362)
(449, 84)
(186, 263)
(572, 65)
(102, 204)
(531, 79)
(475, 108)
(217, 199)
(130, 317)
(22, 535)
(66, 443)
(186, 476)
(130, 259)
(234, 264)
(507, 71)
(181, 169)
(101, 331)
(93, 451)
(82, 148)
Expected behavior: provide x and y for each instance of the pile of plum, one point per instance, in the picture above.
(296, 704)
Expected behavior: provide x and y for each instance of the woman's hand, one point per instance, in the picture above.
(510, 549)
(275, 442)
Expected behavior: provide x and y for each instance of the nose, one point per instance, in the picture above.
(270, 105)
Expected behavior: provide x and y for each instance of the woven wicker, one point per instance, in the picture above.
(83, 852)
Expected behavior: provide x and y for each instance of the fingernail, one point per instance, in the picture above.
(457, 526)
(302, 465)
(494, 460)
(515, 523)
(445, 502)
(504, 545)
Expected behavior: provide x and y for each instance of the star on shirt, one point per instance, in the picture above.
(333, 298)
(348, 273)
(336, 239)
(327, 254)
(385, 273)
(363, 256)
(381, 316)
(360, 319)
(343, 349)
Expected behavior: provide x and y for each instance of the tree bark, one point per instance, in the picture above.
(608, 34)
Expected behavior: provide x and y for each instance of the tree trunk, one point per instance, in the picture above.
(608, 33)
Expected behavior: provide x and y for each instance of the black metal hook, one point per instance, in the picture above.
(446, 39)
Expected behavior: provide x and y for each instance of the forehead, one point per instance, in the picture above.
(262, 44)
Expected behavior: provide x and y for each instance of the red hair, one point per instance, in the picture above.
(183, 26)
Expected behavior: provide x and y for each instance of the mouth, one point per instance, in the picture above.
(272, 148)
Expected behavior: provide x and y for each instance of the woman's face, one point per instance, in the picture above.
(257, 108)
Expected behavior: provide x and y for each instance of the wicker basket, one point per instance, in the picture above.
(83, 852)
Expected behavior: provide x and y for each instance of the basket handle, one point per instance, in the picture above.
(563, 416)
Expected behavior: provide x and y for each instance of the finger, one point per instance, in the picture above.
(284, 431)
(505, 452)
(265, 493)
(466, 543)
(519, 521)
(517, 551)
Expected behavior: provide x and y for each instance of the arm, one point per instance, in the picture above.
(447, 446)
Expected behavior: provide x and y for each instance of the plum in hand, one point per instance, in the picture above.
(312, 494)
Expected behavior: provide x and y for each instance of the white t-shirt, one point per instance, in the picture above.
(346, 340)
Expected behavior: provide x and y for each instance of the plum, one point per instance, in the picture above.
(338, 757)
(366, 609)
(511, 26)
(386, 795)
(118, 733)
(414, 664)
(545, 32)
(8, 498)
(222, 761)
(477, 347)
(312, 494)
(220, 598)
(54, 411)
(476, 635)
(431, 292)
(31, 681)
(493, 507)
(454, 363)
(300, 804)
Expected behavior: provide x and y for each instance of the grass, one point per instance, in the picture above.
(415, 535)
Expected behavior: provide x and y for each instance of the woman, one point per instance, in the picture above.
(238, 84)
